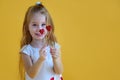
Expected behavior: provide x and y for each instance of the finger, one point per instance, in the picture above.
(43, 54)
(53, 52)
(53, 49)
(56, 56)
(43, 48)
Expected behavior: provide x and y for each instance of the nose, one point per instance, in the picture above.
(40, 27)
(41, 30)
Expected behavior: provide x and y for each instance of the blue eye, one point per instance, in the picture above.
(34, 25)
(43, 25)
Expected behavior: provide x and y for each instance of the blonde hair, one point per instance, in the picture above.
(27, 38)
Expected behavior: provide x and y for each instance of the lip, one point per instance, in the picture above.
(38, 34)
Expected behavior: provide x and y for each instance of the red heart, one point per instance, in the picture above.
(61, 78)
(52, 78)
(41, 31)
(48, 27)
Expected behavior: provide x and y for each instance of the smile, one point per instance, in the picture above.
(38, 34)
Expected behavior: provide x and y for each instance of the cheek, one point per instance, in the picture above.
(31, 30)
(45, 31)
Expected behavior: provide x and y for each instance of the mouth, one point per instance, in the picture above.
(38, 34)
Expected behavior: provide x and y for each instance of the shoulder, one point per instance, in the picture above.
(57, 45)
(26, 49)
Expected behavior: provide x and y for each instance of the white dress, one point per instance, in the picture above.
(46, 72)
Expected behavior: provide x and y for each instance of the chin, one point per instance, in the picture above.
(40, 38)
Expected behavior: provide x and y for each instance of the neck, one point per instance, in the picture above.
(37, 43)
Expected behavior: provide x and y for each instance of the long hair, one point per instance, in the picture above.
(27, 38)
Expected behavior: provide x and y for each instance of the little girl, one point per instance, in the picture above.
(40, 52)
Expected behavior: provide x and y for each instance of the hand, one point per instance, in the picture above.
(55, 52)
(43, 53)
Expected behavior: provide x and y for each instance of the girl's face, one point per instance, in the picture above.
(37, 26)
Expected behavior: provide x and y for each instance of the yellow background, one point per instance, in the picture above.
(88, 31)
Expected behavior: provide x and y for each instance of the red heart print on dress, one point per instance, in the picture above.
(61, 78)
(52, 78)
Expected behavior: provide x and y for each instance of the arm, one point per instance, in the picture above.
(56, 55)
(58, 67)
(30, 68)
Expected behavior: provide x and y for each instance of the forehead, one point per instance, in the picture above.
(38, 18)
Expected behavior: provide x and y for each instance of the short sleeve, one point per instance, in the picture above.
(25, 49)
(57, 46)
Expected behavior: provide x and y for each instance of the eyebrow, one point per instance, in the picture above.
(34, 22)
(37, 22)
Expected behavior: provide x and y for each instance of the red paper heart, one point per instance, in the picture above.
(48, 27)
(41, 31)
(52, 78)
